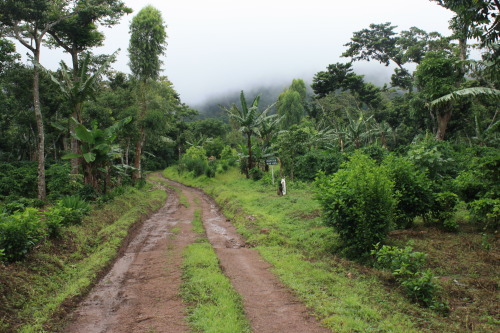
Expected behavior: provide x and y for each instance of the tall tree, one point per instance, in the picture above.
(291, 104)
(341, 77)
(248, 120)
(80, 33)
(437, 76)
(29, 21)
(381, 43)
(147, 45)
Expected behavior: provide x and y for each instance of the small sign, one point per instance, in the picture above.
(272, 161)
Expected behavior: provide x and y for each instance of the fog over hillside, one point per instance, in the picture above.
(211, 107)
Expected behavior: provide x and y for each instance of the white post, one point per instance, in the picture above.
(272, 171)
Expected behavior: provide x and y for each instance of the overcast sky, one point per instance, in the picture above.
(218, 46)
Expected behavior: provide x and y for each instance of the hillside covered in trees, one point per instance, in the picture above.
(419, 153)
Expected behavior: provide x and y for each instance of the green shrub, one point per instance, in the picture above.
(197, 166)
(61, 182)
(422, 288)
(211, 169)
(54, 220)
(74, 208)
(414, 188)
(375, 151)
(256, 173)
(229, 155)
(19, 233)
(18, 179)
(88, 193)
(359, 202)
(308, 165)
(406, 266)
(396, 259)
(485, 213)
(75, 202)
(443, 211)
(14, 204)
(196, 153)
(434, 157)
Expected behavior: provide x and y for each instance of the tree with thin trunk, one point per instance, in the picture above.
(29, 21)
(79, 33)
(147, 44)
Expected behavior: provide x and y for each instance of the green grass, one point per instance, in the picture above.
(37, 291)
(197, 223)
(213, 304)
(288, 232)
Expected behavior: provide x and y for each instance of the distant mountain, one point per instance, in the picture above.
(212, 107)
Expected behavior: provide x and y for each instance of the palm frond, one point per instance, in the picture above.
(465, 93)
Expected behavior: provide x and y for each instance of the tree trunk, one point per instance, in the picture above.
(75, 144)
(42, 194)
(138, 153)
(127, 152)
(250, 162)
(443, 119)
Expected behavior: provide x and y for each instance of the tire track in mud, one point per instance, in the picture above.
(269, 306)
(140, 293)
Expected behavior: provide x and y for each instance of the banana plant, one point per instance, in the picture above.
(97, 150)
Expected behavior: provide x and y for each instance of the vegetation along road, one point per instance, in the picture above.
(142, 291)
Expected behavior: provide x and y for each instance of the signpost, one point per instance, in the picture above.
(272, 162)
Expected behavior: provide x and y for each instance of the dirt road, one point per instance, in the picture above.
(141, 291)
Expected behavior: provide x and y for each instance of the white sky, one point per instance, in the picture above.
(218, 46)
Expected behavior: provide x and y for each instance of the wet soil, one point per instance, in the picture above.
(141, 291)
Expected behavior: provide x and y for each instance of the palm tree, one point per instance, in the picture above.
(248, 119)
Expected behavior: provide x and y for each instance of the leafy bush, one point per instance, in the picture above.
(88, 193)
(54, 220)
(196, 153)
(486, 213)
(13, 204)
(211, 169)
(406, 266)
(480, 177)
(75, 208)
(256, 173)
(195, 160)
(19, 233)
(359, 202)
(61, 182)
(443, 210)
(413, 187)
(422, 288)
(375, 151)
(229, 155)
(18, 179)
(309, 164)
(435, 158)
(397, 259)
(197, 166)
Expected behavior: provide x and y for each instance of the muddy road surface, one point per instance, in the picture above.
(141, 291)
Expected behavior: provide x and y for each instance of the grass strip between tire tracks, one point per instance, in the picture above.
(213, 304)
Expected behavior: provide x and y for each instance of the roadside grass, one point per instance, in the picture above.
(37, 293)
(213, 304)
(345, 296)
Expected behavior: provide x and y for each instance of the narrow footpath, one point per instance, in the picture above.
(141, 291)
